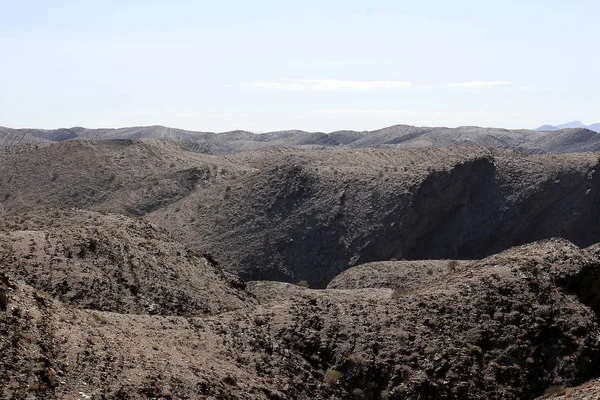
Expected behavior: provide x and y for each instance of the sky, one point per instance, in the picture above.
(313, 65)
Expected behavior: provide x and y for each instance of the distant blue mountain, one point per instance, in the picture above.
(572, 124)
(547, 128)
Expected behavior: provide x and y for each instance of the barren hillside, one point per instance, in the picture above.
(291, 214)
(397, 136)
(121, 176)
(136, 303)
(114, 263)
(308, 215)
(508, 327)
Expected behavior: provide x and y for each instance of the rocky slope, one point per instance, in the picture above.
(308, 215)
(113, 263)
(417, 305)
(120, 176)
(291, 214)
(398, 136)
(587, 391)
(511, 326)
(398, 275)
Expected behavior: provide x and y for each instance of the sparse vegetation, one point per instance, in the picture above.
(303, 283)
(333, 376)
(452, 266)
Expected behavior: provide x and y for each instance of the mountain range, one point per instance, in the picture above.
(568, 140)
(572, 124)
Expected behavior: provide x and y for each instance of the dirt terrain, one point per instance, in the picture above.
(114, 263)
(401, 275)
(119, 176)
(370, 273)
(511, 326)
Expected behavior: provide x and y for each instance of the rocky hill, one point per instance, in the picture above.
(120, 266)
(119, 176)
(114, 263)
(515, 325)
(308, 215)
(397, 275)
(296, 214)
(399, 136)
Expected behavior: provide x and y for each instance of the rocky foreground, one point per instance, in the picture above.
(514, 325)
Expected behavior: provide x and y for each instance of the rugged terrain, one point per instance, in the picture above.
(399, 136)
(398, 275)
(120, 176)
(431, 270)
(295, 214)
(308, 215)
(114, 263)
(514, 325)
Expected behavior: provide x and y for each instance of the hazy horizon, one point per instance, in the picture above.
(268, 131)
(268, 66)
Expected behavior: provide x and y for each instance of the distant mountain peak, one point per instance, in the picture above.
(547, 128)
(572, 124)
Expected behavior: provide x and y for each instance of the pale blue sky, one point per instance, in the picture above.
(313, 65)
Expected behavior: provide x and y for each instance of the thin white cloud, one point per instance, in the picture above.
(330, 84)
(433, 114)
(480, 84)
(335, 84)
(279, 85)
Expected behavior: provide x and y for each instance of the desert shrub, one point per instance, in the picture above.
(356, 359)
(303, 283)
(452, 265)
(401, 292)
(230, 380)
(99, 318)
(555, 390)
(333, 376)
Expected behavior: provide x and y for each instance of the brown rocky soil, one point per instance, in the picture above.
(401, 275)
(507, 327)
(114, 263)
(120, 176)
(588, 391)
